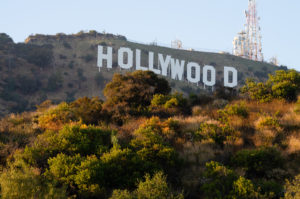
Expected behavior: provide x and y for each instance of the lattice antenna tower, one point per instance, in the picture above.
(253, 32)
(176, 44)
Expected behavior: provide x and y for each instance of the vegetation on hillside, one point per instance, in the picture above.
(143, 142)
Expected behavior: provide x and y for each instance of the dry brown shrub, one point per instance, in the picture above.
(276, 106)
(126, 130)
(293, 144)
(291, 118)
(199, 153)
(264, 137)
(237, 122)
(197, 110)
(267, 129)
(193, 123)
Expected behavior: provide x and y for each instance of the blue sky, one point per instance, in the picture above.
(199, 24)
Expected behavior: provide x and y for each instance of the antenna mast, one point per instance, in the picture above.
(248, 42)
(253, 32)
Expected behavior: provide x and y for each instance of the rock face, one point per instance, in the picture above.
(64, 67)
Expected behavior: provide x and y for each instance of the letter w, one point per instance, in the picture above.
(177, 68)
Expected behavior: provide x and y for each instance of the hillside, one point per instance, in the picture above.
(145, 142)
(63, 67)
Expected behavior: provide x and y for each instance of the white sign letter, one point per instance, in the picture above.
(212, 70)
(107, 57)
(177, 68)
(191, 65)
(234, 81)
(164, 63)
(138, 60)
(151, 66)
(121, 58)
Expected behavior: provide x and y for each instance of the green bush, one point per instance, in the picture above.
(70, 140)
(258, 162)
(219, 180)
(243, 189)
(292, 188)
(153, 143)
(239, 109)
(21, 181)
(284, 85)
(94, 177)
(168, 105)
(152, 188)
(218, 133)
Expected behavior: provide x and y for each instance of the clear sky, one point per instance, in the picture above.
(199, 24)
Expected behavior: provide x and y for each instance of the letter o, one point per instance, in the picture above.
(191, 79)
(121, 63)
(212, 70)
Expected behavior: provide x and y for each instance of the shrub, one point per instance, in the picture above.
(67, 45)
(56, 117)
(88, 110)
(70, 140)
(27, 182)
(244, 189)
(84, 110)
(152, 188)
(88, 58)
(257, 91)
(80, 74)
(156, 188)
(239, 109)
(64, 167)
(62, 56)
(78, 173)
(168, 104)
(39, 55)
(153, 143)
(292, 188)
(283, 85)
(268, 122)
(55, 82)
(71, 64)
(28, 85)
(219, 134)
(258, 162)
(219, 180)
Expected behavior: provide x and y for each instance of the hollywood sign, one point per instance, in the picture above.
(165, 63)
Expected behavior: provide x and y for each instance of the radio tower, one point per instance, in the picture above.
(247, 43)
(253, 32)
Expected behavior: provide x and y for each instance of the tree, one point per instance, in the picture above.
(131, 94)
